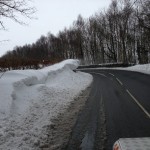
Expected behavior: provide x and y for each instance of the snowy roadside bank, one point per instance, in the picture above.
(30, 99)
(62, 126)
(137, 68)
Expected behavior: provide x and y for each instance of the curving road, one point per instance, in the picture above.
(118, 107)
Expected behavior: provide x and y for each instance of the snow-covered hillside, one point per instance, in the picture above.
(30, 99)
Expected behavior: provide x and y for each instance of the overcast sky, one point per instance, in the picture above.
(53, 16)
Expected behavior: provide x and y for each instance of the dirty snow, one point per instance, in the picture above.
(30, 99)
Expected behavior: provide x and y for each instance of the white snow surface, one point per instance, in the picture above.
(139, 68)
(30, 99)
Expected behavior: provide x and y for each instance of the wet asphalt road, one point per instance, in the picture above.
(119, 104)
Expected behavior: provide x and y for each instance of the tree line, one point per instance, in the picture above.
(120, 34)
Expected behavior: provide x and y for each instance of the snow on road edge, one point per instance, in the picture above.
(32, 98)
(137, 68)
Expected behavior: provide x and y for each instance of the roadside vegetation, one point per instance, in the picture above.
(120, 34)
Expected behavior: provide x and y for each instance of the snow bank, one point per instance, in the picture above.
(139, 68)
(30, 99)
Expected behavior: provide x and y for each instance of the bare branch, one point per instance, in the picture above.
(13, 8)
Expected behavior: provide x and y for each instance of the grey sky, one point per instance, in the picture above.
(53, 15)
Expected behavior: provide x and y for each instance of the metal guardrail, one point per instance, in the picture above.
(105, 65)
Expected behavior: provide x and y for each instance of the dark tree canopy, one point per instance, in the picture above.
(120, 34)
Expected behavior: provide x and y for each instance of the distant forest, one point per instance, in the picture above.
(120, 34)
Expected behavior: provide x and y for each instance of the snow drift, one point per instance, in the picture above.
(30, 99)
(145, 68)
(140, 68)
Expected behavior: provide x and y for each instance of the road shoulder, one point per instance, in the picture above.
(60, 130)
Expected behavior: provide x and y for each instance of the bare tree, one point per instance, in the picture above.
(13, 9)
